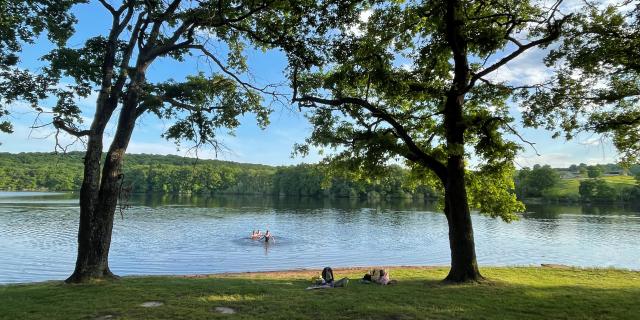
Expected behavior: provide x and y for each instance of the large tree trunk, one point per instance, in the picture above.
(464, 266)
(97, 213)
(99, 195)
(94, 232)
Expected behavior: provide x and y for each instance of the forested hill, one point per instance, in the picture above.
(146, 173)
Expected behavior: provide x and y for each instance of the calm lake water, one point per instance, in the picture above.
(184, 235)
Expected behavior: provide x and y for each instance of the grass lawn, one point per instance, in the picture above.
(510, 293)
(570, 187)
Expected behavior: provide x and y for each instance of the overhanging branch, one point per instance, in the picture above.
(61, 125)
(224, 69)
(415, 152)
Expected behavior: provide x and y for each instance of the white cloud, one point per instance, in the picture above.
(526, 69)
(356, 28)
(555, 160)
(595, 141)
(561, 155)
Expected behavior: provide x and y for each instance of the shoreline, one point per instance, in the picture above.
(351, 269)
(308, 272)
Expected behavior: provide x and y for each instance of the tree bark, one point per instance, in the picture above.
(464, 267)
(93, 231)
(99, 192)
(97, 212)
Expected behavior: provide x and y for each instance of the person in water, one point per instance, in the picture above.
(256, 234)
(268, 237)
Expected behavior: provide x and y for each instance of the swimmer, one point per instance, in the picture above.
(255, 235)
(268, 237)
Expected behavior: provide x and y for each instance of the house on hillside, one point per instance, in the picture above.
(566, 173)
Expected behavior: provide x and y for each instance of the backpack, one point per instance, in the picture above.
(327, 275)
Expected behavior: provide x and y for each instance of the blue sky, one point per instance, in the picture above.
(272, 145)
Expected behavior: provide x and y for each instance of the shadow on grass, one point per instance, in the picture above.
(252, 298)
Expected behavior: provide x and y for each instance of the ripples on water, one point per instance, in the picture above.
(207, 235)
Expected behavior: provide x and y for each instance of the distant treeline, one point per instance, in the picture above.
(178, 175)
(173, 174)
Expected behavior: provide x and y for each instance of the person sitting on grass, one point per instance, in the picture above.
(327, 280)
(380, 276)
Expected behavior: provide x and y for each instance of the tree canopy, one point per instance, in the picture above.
(383, 97)
(115, 63)
(22, 22)
(596, 82)
(412, 83)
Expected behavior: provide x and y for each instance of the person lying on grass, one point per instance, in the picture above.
(379, 276)
(327, 280)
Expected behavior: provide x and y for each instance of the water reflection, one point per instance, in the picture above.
(553, 211)
(276, 202)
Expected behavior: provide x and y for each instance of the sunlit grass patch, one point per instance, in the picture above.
(509, 293)
(570, 188)
(231, 298)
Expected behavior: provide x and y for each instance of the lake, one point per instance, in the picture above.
(196, 235)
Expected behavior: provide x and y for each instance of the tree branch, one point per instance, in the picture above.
(246, 14)
(126, 57)
(554, 33)
(432, 163)
(532, 144)
(109, 7)
(155, 29)
(185, 106)
(61, 125)
(224, 69)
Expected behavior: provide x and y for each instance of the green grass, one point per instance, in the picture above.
(620, 181)
(568, 188)
(511, 293)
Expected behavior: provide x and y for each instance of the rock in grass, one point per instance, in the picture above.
(224, 310)
(151, 304)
